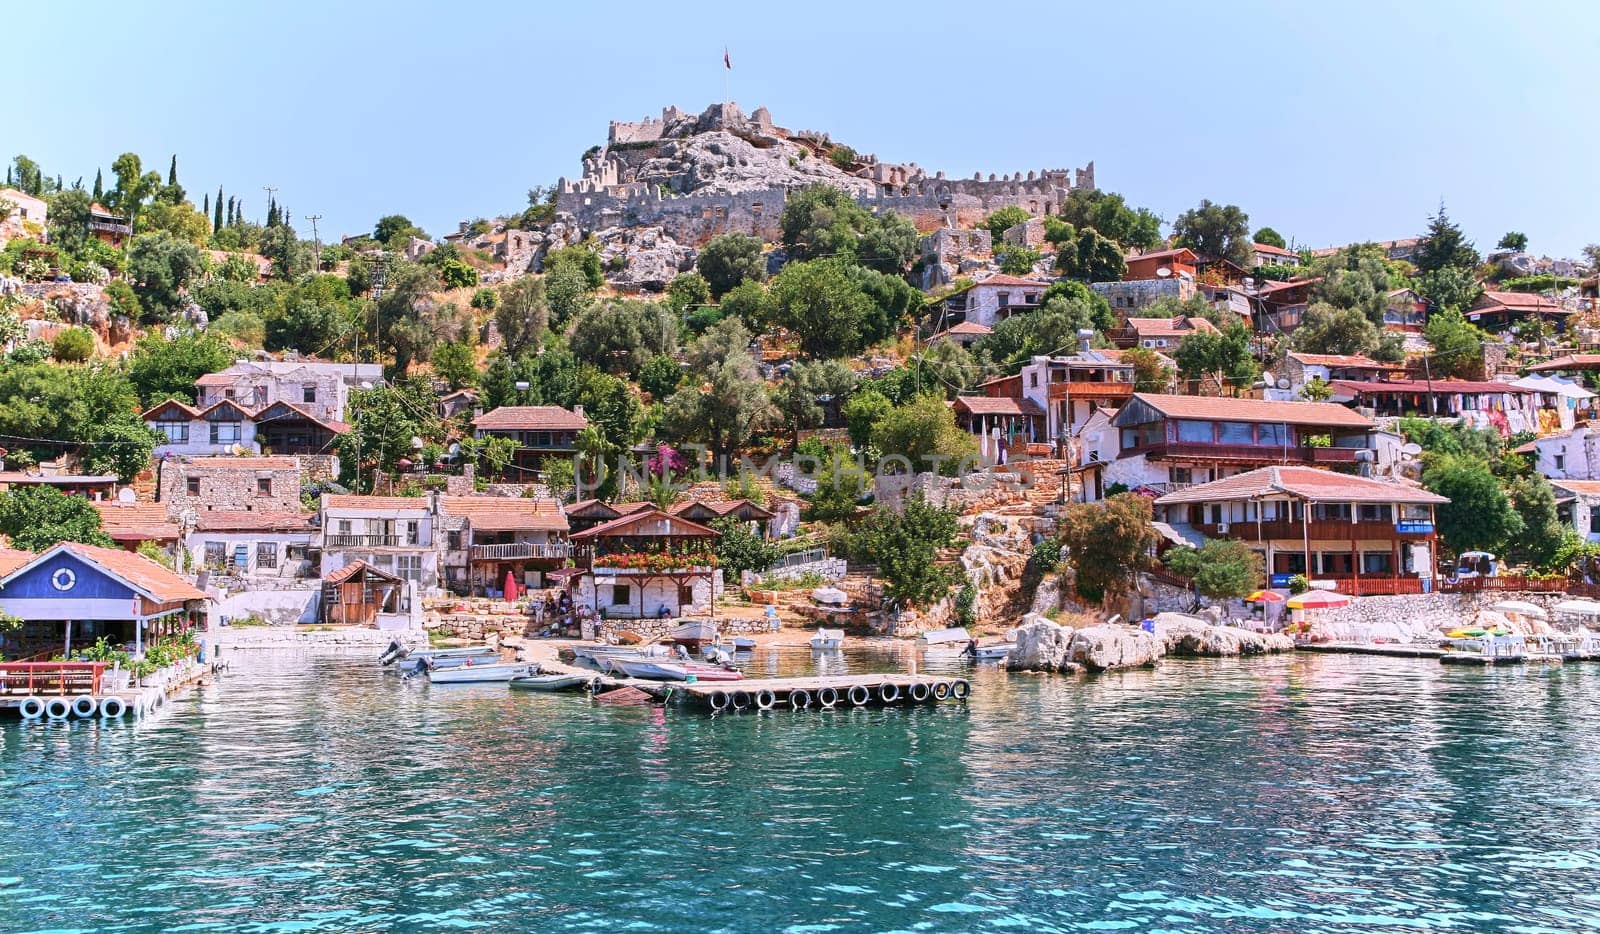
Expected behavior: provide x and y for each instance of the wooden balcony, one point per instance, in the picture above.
(1318, 530)
(1084, 389)
(515, 551)
(1260, 455)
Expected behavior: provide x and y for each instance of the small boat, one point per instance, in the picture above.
(413, 665)
(993, 653)
(694, 633)
(548, 682)
(472, 674)
(674, 671)
(396, 652)
(743, 644)
(827, 639)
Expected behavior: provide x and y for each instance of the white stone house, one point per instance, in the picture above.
(999, 297)
(1567, 455)
(222, 428)
(647, 564)
(1578, 505)
(190, 486)
(25, 216)
(394, 534)
(253, 547)
(317, 387)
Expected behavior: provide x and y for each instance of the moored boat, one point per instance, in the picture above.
(953, 636)
(674, 671)
(992, 653)
(470, 674)
(827, 639)
(549, 682)
(396, 652)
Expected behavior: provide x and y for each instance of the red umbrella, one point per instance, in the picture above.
(511, 585)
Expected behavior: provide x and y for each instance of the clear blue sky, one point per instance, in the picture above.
(1330, 124)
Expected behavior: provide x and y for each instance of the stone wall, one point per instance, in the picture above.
(649, 630)
(228, 488)
(1142, 293)
(827, 568)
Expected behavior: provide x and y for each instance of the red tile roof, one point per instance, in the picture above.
(1170, 327)
(139, 572)
(1572, 361)
(967, 327)
(620, 525)
(507, 514)
(137, 522)
(243, 463)
(12, 559)
(242, 521)
(1163, 254)
(1310, 483)
(531, 418)
(375, 503)
(337, 428)
(1014, 281)
(340, 575)
(1272, 286)
(1517, 301)
(999, 405)
(1273, 250)
(188, 411)
(1224, 408)
(1337, 360)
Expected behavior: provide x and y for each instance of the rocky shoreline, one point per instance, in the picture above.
(1045, 645)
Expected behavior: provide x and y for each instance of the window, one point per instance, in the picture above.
(1033, 380)
(263, 486)
(192, 485)
(1374, 512)
(308, 392)
(1236, 433)
(685, 595)
(1594, 520)
(621, 595)
(1275, 435)
(453, 540)
(216, 554)
(1561, 461)
(1294, 563)
(1340, 511)
(296, 552)
(1377, 562)
(409, 567)
(1005, 298)
(344, 527)
(1194, 432)
(1340, 563)
(266, 555)
(1181, 475)
(175, 432)
(226, 432)
(413, 536)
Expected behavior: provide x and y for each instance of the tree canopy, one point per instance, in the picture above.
(36, 517)
(1216, 230)
(730, 259)
(905, 545)
(821, 221)
(1108, 543)
(1108, 213)
(1444, 245)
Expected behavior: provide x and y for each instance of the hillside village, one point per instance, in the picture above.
(729, 363)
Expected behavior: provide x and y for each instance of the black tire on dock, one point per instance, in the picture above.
(920, 692)
(859, 695)
(827, 697)
(799, 700)
(941, 690)
(961, 690)
(765, 699)
(741, 700)
(889, 693)
(718, 701)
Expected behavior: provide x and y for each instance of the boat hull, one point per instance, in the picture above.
(549, 683)
(477, 674)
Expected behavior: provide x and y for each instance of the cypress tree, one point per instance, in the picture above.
(99, 186)
(172, 170)
(9, 182)
(216, 220)
(205, 208)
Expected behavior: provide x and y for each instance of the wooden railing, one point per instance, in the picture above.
(334, 540)
(60, 678)
(1264, 453)
(1318, 530)
(513, 550)
(1377, 586)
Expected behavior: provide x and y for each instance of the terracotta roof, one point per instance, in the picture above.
(1418, 385)
(1273, 250)
(1224, 408)
(1517, 301)
(243, 463)
(587, 505)
(137, 522)
(338, 428)
(375, 503)
(967, 327)
(228, 520)
(1308, 483)
(217, 379)
(1170, 327)
(1163, 254)
(618, 525)
(1015, 281)
(1579, 487)
(227, 404)
(1572, 361)
(999, 405)
(722, 508)
(12, 559)
(139, 572)
(1337, 359)
(508, 514)
(340, 575)
(531, 418)
(154, 411)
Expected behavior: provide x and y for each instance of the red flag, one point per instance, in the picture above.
(727, 62)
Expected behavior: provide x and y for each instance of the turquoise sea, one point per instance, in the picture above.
(312, 793)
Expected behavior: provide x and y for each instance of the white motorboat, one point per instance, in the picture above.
(396, 652)
(955, 635)
(826, 639)
(675, 671)
(473, 674)
(743, 644)
(414, 665)
(993, 653)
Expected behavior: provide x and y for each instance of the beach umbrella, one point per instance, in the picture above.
(1521, 608)
(1318, 600)
(1264, 596)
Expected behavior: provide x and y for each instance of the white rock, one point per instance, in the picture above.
(1104, 648)
(1041, 645)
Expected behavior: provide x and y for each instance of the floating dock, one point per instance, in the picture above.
(822, 693)
(1390, 650)
(1482, 660)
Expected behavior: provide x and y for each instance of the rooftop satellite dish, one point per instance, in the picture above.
(1283, 382)
(1163, 271)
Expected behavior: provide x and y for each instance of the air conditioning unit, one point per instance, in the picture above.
(1222, 528)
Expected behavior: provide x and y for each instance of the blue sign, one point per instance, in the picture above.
(1280, 580)
(1414, 527)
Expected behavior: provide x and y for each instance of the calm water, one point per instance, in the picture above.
(1298, 794)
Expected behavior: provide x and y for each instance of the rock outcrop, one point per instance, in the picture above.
(1041, 645)
(1105, 648)
(1191, 635)
(642, 258)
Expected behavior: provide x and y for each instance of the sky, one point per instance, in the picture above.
(1330, 124)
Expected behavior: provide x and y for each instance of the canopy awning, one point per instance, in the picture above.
(1318, 600)
(1577, 608)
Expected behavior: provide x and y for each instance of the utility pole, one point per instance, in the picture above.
(270, 192)
(316, 243)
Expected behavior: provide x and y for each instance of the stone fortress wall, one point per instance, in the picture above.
(609, 193)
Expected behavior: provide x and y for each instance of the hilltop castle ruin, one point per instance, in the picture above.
(700, 176)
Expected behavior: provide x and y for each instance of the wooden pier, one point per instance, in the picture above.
(1389, 650)
(823, 693)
